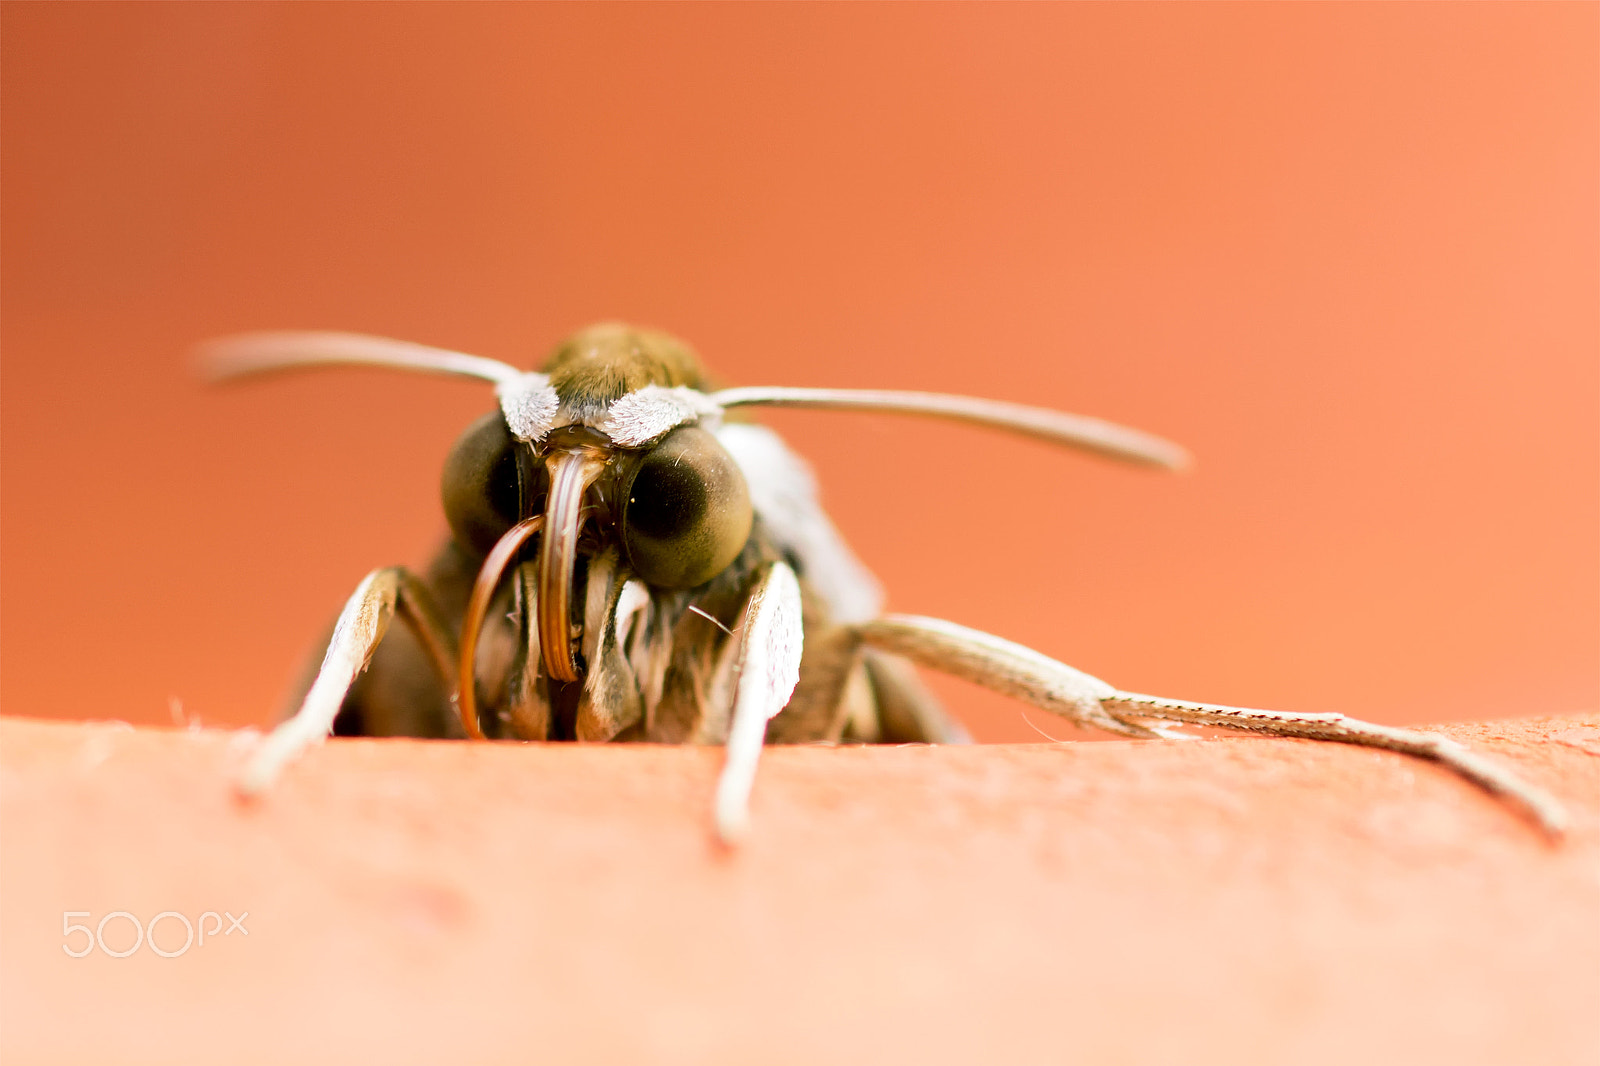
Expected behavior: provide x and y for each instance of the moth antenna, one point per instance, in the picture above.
(261, 353)
(1055, 427)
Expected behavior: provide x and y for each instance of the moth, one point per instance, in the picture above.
(632, 559)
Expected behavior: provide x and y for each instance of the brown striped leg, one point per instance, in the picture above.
(1026, 674)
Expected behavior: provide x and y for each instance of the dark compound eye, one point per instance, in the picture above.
(687, 511)
(482, 498)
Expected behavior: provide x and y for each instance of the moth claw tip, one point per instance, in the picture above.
(733, 828)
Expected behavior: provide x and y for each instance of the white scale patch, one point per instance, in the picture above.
(648, 413)
(529, 405)
(773, 644)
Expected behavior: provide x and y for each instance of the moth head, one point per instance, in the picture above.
(677, 509)
(608, 448)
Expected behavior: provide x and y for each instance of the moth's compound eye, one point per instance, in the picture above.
(482, 498)
(686, 511)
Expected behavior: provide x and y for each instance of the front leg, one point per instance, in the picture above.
(1053, 686)
(770, 642)
(362, 624)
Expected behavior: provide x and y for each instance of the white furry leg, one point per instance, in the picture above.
(770, 640)
(362, 623)
(1003, 666)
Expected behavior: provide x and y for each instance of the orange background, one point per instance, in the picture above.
(1349, 255)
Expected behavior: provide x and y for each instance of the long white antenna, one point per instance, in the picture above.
(261, 353)
(1056, 427)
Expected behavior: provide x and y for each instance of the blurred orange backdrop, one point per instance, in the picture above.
(1349, 255)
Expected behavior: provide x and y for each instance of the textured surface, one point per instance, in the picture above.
(1222, 901)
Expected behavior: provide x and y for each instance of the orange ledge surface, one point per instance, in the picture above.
(1238, 900)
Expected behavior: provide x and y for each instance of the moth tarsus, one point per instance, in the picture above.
(625, 565)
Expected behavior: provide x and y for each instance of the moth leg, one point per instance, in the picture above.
(1026, 674)
(770, 641)
(1484, 773)
(362, 624)
(1002, 666)
(611, 701)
